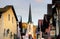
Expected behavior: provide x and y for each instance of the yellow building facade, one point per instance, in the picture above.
(24, 25)
(8, 23)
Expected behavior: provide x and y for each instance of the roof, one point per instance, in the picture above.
(54, 1)
(6, 8)
(30, 15)
(49, 9)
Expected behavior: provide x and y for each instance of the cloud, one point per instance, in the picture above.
(39, 1)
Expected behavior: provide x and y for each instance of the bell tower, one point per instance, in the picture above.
(30, 25)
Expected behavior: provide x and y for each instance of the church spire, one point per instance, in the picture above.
(30, 17)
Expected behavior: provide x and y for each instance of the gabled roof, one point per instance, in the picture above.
(6, 8)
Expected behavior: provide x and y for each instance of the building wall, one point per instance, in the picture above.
(9, 26)
(49, 9)
(1, 27)
(58, 19)
(34, 31)
(25, 25)
(0, 21)
(30, 27)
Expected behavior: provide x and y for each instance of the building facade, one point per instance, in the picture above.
(8, 23)
(55, 13)
(39, 32)
(24, 31)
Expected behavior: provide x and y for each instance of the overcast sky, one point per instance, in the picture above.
(38, 7)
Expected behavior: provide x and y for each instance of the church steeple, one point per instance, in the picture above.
(30, 17)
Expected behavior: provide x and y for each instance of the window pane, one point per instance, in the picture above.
(9, 17)
(12, 19)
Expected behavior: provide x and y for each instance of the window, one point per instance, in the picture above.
(4, 32)
(30, 37)
(23, 30)
(9, 17)
(8, 31)
(0, 15)
(12, 19)
(15, 36)
(11, 35)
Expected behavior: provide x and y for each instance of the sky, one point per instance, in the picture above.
(38, 8)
